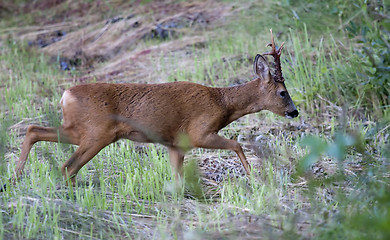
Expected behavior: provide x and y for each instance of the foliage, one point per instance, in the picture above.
(371, 29)
(354, 76)
(364, 209)
(4, 140)
(126, 190)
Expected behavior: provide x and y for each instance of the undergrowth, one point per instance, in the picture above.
(323, 176)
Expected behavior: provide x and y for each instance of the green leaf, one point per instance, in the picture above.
(317, 146)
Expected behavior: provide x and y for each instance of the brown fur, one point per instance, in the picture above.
(98, 114)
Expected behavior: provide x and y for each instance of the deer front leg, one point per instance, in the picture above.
(176, 157)
(214, 141)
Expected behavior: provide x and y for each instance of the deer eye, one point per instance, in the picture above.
(283, 94)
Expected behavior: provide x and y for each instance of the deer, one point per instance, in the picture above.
(98, 114)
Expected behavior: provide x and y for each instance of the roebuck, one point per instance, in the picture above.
(95, 115)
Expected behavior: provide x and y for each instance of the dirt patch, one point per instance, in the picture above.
(116, 47)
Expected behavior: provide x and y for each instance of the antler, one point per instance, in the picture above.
(276, 54)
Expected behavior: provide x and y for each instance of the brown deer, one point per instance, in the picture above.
(95, 115)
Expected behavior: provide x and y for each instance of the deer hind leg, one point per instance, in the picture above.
(85, 152)
(214, 141)
(37, 133)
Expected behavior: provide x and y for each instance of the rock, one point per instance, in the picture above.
(64, 65)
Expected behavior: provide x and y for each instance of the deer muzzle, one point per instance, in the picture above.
(292, 114)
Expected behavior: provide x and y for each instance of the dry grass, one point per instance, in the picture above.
(118, 41)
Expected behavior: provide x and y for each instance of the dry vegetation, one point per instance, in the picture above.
(125, 192)
(85, 38)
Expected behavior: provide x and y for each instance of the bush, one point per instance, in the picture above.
(371, 32)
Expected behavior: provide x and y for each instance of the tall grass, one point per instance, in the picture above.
(127, 190)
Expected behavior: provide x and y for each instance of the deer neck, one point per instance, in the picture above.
(242, 100)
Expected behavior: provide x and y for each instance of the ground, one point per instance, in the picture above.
(322, 175)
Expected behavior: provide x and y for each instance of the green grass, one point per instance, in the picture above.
(128, 191)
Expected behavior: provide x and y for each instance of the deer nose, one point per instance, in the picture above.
(292, 114)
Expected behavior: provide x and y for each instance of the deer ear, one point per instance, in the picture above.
(260, 66)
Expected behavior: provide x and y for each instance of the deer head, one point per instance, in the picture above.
(277, 99)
